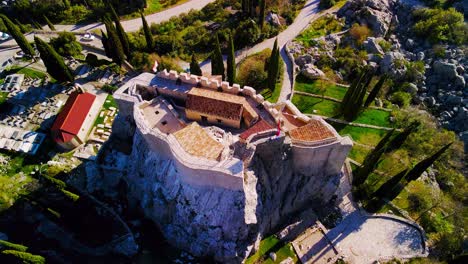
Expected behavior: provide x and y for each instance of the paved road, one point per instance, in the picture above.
(135, 24)
(307, 14)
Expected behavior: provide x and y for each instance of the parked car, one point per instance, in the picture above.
(4, 36)
(20, 54)
(88, 37)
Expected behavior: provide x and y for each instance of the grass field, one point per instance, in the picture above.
(323, 107)
(320, 27)
(272, 244)
(374, 117)
(110, 102)
(319, 87)
(358, 153)
(363, 135)
(26, 71)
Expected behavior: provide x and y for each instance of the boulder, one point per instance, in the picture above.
(304, 59)
(312, 72)
(376, 14)
(445, 70)
(272, 256)
(409, 43)
(460, 82)
(387, 62)
(372, 46)
(411, 88)
(273, 19)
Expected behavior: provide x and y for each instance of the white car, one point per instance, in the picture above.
(88, 37)
(4, 36)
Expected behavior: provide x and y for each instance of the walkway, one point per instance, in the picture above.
(365, 238)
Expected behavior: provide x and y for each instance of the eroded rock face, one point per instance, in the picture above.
(377, 14)
(210, 220)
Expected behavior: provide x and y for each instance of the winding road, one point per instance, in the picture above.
(309, 12)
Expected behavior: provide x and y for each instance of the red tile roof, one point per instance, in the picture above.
(71, 118)
(260, 126)
(315, 130)
(215, 103)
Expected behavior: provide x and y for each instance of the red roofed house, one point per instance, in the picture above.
(71, 127)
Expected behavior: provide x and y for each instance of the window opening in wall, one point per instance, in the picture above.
(164, 122)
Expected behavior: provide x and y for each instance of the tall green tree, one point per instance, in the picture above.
(53, 61)
(120, 32)
(231, 62)
(371, 161)
(66, 45)
(51, 26)
(217, 64)
(387, 191)
(352, 102)
(105, 44)
(399, 139)
(273, 67)
(423, 165)
(118, 54)
(373, 94)
(261, 18)
(195, 67)
(18, 36)
(148, 34)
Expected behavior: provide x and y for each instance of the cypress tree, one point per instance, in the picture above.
(105, 43)
(401, 137)
(353, 101)
(423, 165)
(217, 64)
(121, 33)
(18, 36)
(371, 161)
(231, 62)
(385, 189)
(36, 24)
(148, 35)
(273, 67)
(51, 26)
(373, 94)
(118, 54)
(53, 61)
(261, 18)
(195, 67)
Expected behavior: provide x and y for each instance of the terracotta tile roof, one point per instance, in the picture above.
(71, 118)
(315, 130)
(196, 141)
(220, 104)
(260, 126)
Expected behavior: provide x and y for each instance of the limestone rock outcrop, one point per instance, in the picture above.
(376, 14)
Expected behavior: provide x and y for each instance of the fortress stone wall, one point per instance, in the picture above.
(223, 208)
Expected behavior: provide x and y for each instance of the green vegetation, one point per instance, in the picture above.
(53, 61)
(120, 32)
(252, 72)
(362, 135)
(3, 97)
(374, 117)
(231, 62)
(195, 67)
(326, 3)
(112, 43)
(148, 35)
(13, 246)
(110, 102)
(272, 244)
(320, 27)
(24, 257)
(401, 99)
(66, 45)
(358, 153)
(319, 87)
(28, 72)
(217, 64)
(265, 246)
(49, 24)
(18, 36)
(441, 26)
(273, 67)
(323, 107)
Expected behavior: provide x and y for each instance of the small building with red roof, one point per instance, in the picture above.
(71, 127)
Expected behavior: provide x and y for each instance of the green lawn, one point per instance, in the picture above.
(323, 107)
(319, 87)
(363, 135)
(272, 244)
(26, 71)
(358, 153)
(110, 102)
(374, 117)
(272, 97)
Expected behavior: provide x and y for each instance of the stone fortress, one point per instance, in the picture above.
(217, 167)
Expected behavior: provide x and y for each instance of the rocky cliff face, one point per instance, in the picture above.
(207, 220)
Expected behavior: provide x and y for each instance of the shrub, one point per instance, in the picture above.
(359, 33)
(66, 45)
(386, 46)
(441, 26)
(110, 88)
(327, 3)
(24, 257)
(401, 99)
(247, 33)
(10, 245)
